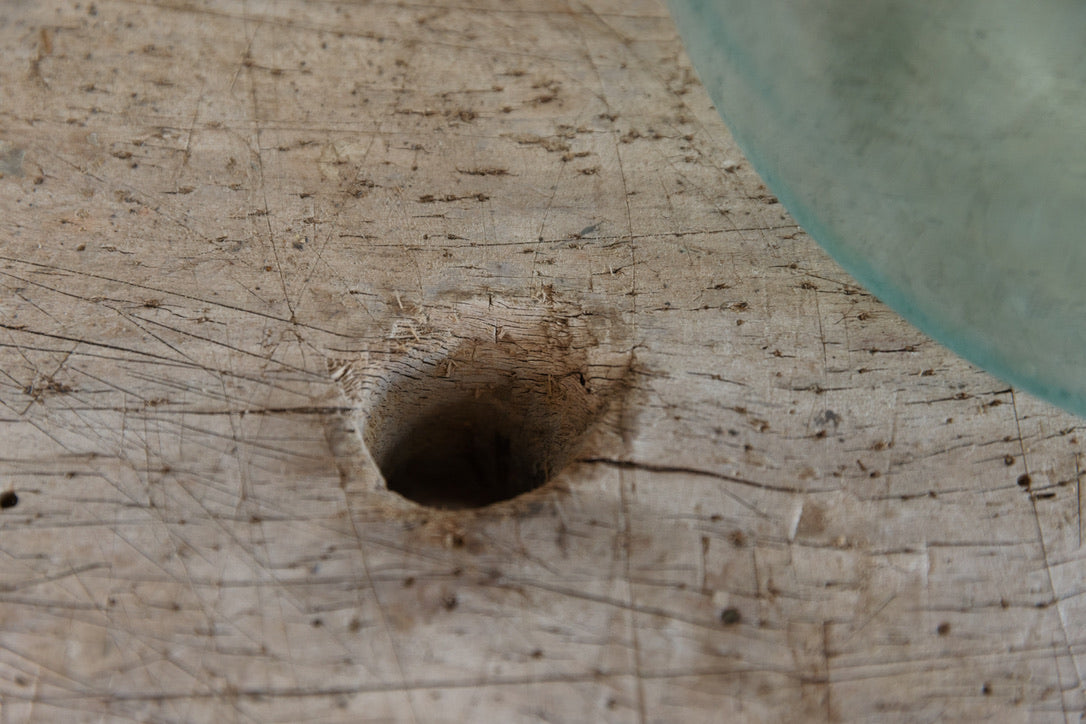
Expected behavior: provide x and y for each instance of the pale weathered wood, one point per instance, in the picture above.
(240, 237)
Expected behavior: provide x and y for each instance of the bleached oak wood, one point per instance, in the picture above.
(235, 235)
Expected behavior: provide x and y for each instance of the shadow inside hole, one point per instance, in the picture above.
(468, 454)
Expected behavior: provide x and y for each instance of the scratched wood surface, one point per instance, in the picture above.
(237, 238)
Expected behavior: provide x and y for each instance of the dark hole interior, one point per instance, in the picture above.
(467, 455)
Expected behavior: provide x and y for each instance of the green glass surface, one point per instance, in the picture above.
(936, 149)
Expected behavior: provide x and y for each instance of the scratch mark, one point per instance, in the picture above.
(1060, 613)
(627, 534)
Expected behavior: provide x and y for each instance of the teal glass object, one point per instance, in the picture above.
(936, 149)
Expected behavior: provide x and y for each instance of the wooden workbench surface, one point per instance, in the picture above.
(246, 244)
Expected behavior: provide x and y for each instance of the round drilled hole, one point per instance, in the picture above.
(468, 454)
(483, 425)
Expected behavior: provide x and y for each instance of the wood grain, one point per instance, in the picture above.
(231, 229)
